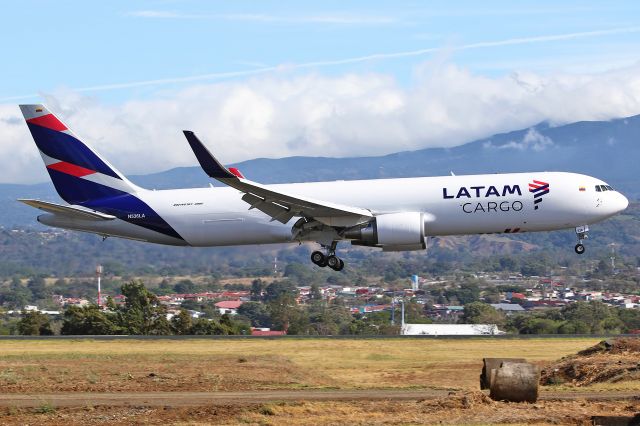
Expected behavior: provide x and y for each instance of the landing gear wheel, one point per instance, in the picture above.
(333, 262)
(581, 232)
(319, 258)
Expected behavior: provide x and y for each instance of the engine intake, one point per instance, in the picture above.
(393, 232)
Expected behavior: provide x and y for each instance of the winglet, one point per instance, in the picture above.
(207, 161)
(236, 172)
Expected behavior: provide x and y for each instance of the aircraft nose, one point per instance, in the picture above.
(621, 202)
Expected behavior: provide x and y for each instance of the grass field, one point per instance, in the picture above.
(165, 365)
(130, 366)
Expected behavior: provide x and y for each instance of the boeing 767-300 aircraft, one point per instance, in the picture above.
(392, 214)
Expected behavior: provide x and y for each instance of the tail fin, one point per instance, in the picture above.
(78, 173)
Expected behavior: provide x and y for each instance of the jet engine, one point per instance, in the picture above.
(392, 232)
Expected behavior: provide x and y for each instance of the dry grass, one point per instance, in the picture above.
(456, 409)
(169, 365)
(165, 365)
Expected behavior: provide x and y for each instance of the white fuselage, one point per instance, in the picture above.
(471, 204)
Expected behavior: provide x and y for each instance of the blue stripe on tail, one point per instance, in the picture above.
(64, 147)
(76, 190)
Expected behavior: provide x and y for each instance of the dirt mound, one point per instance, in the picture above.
(460, 401)
(609, 361)
(614, 346)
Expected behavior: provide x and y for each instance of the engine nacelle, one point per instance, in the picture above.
(393, 232)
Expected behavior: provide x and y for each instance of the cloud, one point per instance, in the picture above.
(532, 140)
(350, 115)
(264, 18)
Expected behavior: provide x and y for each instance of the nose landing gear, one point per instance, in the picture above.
(581, 232)
(329, 259)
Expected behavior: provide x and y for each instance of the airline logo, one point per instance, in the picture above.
(538, 189)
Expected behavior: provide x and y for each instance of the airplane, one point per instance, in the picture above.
(391, 214)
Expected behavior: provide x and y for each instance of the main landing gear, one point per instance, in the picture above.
(581, 232)
(329, 259)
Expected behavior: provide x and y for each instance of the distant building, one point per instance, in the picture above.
(450, 330)
(229, 306)
(508, 308)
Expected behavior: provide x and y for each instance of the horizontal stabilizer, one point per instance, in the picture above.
(71, 211)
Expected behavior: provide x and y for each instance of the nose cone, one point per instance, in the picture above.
(621, 203)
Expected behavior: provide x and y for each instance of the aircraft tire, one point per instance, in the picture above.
(318, 258)
(579, 248)
(333, 262)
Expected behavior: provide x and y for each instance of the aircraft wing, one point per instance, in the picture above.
(73, 211)
(280, 206)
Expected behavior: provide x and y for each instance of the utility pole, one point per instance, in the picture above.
(402, 304)
(393, 309)
(99, 274)
(613, 257)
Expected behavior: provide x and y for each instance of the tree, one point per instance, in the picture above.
(467, 292)
(203, 326)
(315, 293)
(329, 319)
(191, 305)
(231, 326)
(596, 316)
(482, 313)
(286, 315)
(257, 286)
(141, 312)
(574, 327)
(630, 319)
(603, 269)
(414, 314)
(257, 313)
(277, 289)
(164, 288)
(88, 320)
(182, 323)
(18, 295)
(491, 295)
(38, 287)
(34, 323)
(185, 287)
(300, 273)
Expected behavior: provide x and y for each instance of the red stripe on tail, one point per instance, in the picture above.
(49, 121)
(70, 169)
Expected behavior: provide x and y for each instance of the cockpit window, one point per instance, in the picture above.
(598, 189)
(602, 188)
(609, 188)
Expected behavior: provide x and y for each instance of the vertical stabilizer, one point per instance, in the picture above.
(78, 173)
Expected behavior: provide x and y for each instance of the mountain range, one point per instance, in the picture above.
(605, 149)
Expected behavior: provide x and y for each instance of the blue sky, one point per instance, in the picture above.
(281, 78)
(76, 44)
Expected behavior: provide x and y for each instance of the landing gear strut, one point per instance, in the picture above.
(581, 232)
(329, 259)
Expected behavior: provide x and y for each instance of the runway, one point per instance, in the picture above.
(194, 399)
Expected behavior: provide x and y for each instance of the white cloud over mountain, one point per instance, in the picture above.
(350, 115)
